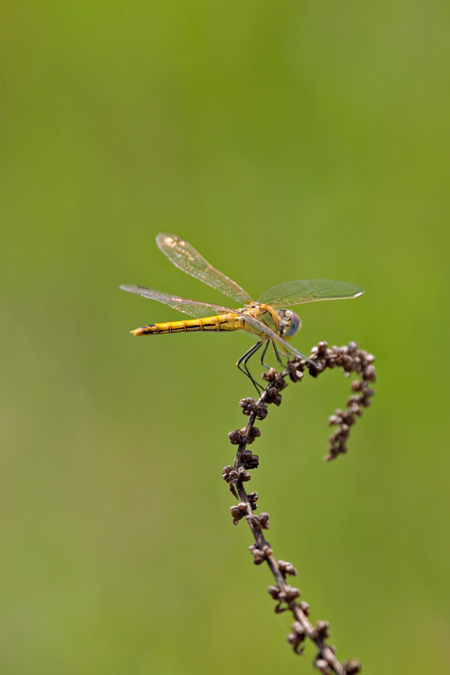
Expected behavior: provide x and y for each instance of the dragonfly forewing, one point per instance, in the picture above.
(185, 257)
(309, 290)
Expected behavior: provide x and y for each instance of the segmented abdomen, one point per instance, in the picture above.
(213, 323)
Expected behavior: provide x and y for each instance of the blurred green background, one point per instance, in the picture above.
(284, 140)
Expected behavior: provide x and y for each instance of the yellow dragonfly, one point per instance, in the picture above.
(267, 318)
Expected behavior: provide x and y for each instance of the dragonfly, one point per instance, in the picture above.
(268, 318)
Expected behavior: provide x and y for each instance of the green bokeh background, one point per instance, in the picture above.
(284, 140)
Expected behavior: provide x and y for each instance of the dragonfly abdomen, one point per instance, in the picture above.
(225, 322)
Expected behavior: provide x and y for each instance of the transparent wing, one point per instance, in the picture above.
(198, 310)
(309, 290)
(184, 256)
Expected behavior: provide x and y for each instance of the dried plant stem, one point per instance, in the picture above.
(351, 360)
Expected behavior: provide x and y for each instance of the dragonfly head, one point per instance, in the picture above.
(290, 322)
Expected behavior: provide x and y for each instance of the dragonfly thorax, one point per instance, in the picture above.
(290, 322)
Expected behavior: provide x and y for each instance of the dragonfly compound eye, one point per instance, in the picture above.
(293, 324)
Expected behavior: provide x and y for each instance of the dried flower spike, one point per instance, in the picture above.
(352, 361)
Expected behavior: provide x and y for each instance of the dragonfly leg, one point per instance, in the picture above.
(244, 368)
(263, 355)
(277, 353)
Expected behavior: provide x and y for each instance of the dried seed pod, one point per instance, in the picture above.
(352, 667)
(287, 568)
(320, 631)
